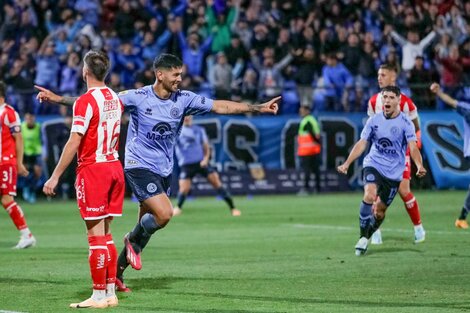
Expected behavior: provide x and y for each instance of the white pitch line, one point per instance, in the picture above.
(3, 311)
(396, 230)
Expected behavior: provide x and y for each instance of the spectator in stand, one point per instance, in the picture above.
(237, 55)
(412, 46)
(221, 24)
(222, 77)
(308, 71)
(246, 89)
(151, 47)
(270, 76)
(124, 22)
(129, 63)
(47, 65)
(20, 77)
(451, 73)
(338, 82)
(193, 54)
(419, 79)
(71, 75)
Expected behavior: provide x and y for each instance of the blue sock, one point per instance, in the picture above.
(181, 199)
(365, 216)
(149, 226)
(464, 212)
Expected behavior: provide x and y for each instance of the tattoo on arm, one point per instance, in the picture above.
(67, 100)
(254, 107)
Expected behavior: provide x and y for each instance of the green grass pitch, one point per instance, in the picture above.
(284, 254)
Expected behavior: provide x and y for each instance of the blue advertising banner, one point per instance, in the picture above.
(240, 144)
(443, 144)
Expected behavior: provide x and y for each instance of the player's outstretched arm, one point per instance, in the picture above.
(48, 96)
(416, 156)
(232, 107)
(435, 88)
(70, 149)
(356, 152)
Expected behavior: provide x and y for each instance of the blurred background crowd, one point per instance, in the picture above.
(323, 54)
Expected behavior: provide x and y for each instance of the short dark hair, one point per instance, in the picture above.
(98, 64)
(395, 89)
(3, 89)
(167, 61)
(388, 66)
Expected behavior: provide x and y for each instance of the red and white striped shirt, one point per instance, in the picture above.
(97, 115)
(9, 123)
(406, 106)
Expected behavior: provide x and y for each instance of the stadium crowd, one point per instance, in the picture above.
(316, 52)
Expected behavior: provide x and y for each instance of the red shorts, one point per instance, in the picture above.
(100, 190)
(9, 176)
(407, 172)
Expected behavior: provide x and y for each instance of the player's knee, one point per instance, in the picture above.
(369, 197)
(379, 214)
(6, 200)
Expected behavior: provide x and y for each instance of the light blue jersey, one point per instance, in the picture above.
(463, 108)
(189, 147)
(389, 139)
(155, 124)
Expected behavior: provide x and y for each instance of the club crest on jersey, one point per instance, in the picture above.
(174, 112)
(161, 131)
(395, 130)
(151, 187)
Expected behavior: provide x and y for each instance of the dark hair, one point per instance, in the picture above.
(395, 89)
(98, 64)
(388, 66)
(3, 89)
(167, 61)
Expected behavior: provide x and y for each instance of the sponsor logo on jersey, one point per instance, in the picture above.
(385, 146)
(161, 131)
(148, 111)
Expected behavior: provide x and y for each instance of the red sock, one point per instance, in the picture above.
(412, 208)
(112, 260)
(98, 259)
(16, 215)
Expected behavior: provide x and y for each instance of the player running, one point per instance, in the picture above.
(193, 154)
(389, 133)
(387, 76)
(100, 178)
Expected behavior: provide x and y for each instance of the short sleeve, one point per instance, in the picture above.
(82, 113)
(368, 130)
(127, 98)
(195, 104)
(13, 121)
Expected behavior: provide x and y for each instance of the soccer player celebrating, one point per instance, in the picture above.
(193, 154)
(11, 164)
(100, 178)
(463, 108)
(389, 134)
(387, 76)
(156, 115)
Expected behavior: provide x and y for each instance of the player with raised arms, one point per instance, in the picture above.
(156, 117)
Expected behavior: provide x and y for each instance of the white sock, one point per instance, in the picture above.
(25, 233)
(98, 295)
(110, 290)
